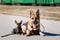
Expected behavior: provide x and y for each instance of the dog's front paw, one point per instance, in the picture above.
(27, 33)
(42, 34)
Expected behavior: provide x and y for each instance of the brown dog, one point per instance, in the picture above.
(34, 23)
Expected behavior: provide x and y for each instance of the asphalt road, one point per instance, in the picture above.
(52, 28)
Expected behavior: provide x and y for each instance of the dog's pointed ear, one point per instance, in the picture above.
(38, 13)
(31, 13)
(21, 22)
(16, 22)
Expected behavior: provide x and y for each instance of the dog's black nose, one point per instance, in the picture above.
(34, 23)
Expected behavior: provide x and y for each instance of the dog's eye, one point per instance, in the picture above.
(35, 18)
(32, 18)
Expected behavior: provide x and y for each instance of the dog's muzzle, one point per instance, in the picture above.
(34, 26)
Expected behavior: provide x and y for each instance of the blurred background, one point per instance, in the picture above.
(49, 9)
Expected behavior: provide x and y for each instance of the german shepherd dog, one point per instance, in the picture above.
(33, 25)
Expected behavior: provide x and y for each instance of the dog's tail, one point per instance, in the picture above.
(7, 35)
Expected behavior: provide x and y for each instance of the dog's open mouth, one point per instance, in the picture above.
(34, 26)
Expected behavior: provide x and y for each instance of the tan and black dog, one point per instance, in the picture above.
(33, 25)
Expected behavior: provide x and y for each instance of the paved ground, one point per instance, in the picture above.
(52, 29)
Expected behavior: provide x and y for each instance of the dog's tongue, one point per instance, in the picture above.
(34, 26)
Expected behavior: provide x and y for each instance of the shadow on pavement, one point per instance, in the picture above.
(47, 34)
(51, 34)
